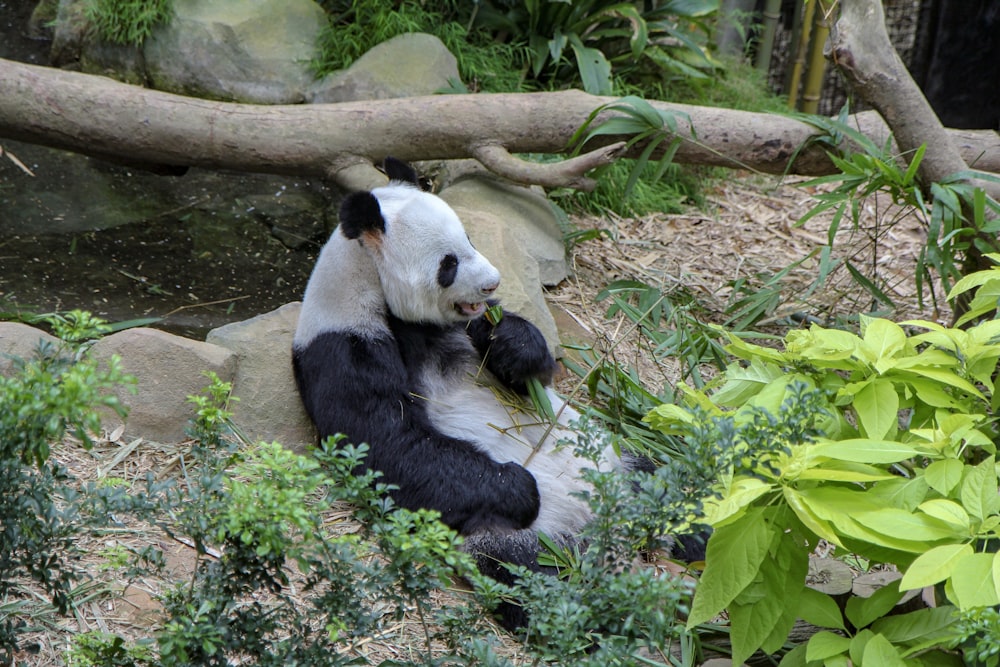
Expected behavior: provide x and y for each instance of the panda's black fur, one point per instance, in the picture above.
(393, 349)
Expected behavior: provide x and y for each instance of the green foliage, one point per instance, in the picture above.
(100, 649)
(597, 41)
(956, 215)
(355, 27)
(127, 22)
(887, 450)
(601, 610)
(45, 398)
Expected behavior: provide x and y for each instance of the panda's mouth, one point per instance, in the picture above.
(470, 309)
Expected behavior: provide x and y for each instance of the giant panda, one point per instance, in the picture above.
(393, 348)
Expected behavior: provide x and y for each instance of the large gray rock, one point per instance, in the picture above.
(517, 230)
(168, 369)
(404, 66)
(20, 342)
(269, 407)
(254, 51)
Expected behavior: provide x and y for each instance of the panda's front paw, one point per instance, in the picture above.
(515, 351)
(508, 501)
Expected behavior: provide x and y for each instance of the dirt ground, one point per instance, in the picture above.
(747, 229)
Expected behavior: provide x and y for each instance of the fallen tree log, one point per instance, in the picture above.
(105, 118)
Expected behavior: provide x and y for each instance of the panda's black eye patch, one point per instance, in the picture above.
(447, 270)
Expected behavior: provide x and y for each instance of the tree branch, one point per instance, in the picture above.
(104, 118)
(860, 47)
(566, 173)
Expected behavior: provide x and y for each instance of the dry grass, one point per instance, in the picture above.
(748, 229)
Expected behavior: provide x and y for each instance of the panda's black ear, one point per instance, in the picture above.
(359, 213)
(397, 170)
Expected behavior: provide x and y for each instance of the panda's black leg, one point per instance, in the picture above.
(514, 350)
(494, 553)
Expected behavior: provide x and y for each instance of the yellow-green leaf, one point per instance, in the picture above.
(883, 339)
(944, 475)
(979, 489)
(903, 525)
(934, 566)
(820, 609)
(877, 407)
(742, 492)
(866, 450)
(733, 558)
(825, 644)
(878, 651)
(948, 511)
(972, 582)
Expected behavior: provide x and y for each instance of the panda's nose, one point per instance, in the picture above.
(487, 290)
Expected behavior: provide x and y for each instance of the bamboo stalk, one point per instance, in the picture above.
(813, 89)
(803, 30)
(765, 47)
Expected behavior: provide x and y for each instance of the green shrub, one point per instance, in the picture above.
(897, 465)
(127, 22)
(45, 398)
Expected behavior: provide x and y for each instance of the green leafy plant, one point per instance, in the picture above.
(355, 27)
(46, 397)
(958, 217)
(127, 22)
(898, 465)
(606, 39)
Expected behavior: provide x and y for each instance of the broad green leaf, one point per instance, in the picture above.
(864, 450)
(996, 573)
(942, 375)
(743, 383)
(944, 476)
(824, 644)
(749, 351)
(820, 610)
(824, 345)
(819, 526)
(733, 558)
(934, 566)
(877, 407)
(862, 612)
(931, 392)
(903, 525)
(858, 643)
(670, 419)
(882, 339)
(846, 471)
(979, 489)
(948, 511)
(878, 651)
(972, 582)
(902, 493)
(794, 658)
(774, 599)
(594, 68)
(742, 492)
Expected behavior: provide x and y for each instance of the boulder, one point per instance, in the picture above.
(20, 342)
(404, 66)
(255, 51)
(167, 369)
(269, 407)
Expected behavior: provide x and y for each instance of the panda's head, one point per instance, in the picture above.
(429, 271)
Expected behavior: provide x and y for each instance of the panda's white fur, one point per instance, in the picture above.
(393, 349)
